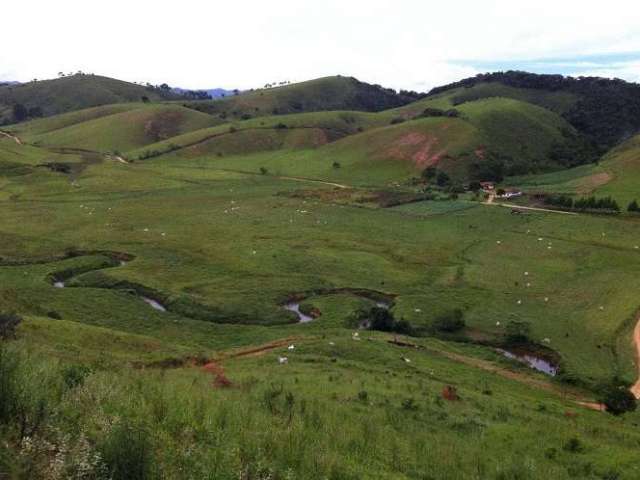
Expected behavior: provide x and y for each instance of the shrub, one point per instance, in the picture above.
(573, 445)
(518, 332)
(336, 165)
(381, 319)
(363, 396)
(633, 206)
(397, 120)
(409, 404)
(563, 201)
(432, 112)
(128, 453)
(442, 179)
(263, 171)
(617, 398)
(74, 375)
(8, 324)
(450, 322)
(429, 173)
(281, 126)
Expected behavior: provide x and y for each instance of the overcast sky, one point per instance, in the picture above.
(414, 44)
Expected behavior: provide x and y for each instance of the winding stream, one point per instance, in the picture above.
(381, 300)
(295, 308)
(155, 304)
(532, 361)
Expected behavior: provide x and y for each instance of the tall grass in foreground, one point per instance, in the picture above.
(60, 421)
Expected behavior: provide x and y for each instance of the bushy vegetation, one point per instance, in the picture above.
(450, 322)
(584, 204)
(517, 332)
(8, 324)
(606, 111)
(381, 319)
(616, 396)
(437, 112)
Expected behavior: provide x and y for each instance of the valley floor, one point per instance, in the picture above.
(202, 385)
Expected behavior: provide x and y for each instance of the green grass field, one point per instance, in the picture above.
(226, 222)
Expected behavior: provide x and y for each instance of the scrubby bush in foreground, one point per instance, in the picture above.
(8, 325)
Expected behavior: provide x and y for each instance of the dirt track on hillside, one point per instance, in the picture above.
(8, 135)
(529, 380)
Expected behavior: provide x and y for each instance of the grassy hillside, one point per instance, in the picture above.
(622, 165)
(329, 93)
(60, 95)
(122, 127)
(339, 409)
(616, 175)
(605, 111)
(490, 135)
(305, 130)
(556, 101)
(45, 125)
(226, 225)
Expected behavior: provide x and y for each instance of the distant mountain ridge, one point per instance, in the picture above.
(211, 92)
(321, 94)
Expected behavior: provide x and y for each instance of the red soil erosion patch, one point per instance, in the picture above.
(216, 369)
(413, 138)
(450, 393)
(417, 147)
(220, 380)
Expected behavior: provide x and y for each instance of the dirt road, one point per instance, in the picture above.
(8, 135)
(535, 382)
(286, 177)
(491, 201)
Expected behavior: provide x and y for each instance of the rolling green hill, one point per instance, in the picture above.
(75, 92)
(489, 138)
(329, 93)
(616, 175)
(605, 111)
(119, 127)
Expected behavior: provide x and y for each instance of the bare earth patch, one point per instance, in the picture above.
(418, 147)
(590, 183)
